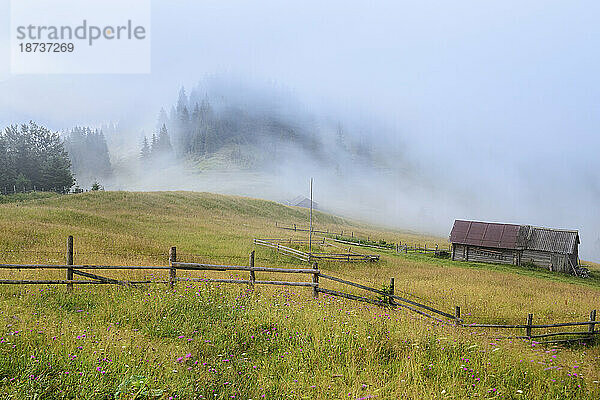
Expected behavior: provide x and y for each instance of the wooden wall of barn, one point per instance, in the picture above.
(544, 259)
(483, 254)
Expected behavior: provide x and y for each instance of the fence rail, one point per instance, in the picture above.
(300, 255)
(387, 297)
(353, 240)
(309, 257)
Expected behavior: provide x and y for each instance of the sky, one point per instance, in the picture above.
(501, 97)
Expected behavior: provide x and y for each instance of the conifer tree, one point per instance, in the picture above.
(145, 151)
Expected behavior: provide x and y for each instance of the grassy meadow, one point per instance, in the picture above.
(223, 341)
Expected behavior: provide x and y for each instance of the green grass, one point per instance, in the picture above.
(19, 197)
(217, 341)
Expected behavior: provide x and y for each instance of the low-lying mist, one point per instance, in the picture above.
(361, 169)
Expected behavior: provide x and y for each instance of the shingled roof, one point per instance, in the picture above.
(510, 236)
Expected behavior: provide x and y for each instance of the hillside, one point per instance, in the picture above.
(209, 340)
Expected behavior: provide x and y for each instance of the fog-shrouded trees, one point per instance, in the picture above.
(197, 130)
(159, 146)
(33, 157)
(89, 155)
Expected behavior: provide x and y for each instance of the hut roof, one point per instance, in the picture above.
(486, 234)
(510, 236)
(547, 239)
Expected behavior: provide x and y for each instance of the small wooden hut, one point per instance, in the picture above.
(554, 249)
(302, 201)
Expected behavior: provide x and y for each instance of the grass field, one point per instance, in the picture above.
(221, 342)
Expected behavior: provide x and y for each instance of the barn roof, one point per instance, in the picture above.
(486, 234)
(547, 239)
(510, 236)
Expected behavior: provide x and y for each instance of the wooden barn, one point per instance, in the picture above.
(554, 249)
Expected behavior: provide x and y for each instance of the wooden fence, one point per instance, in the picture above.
(387, 297)
(296, 228)
(93, 278)
(529, 326)
(398, 247)
(309, 257)
(300, 255)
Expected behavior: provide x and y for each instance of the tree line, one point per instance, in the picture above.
(33, 158)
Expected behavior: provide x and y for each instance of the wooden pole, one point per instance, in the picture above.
(252, 276)
(592, 319)
(315, 279)
(311, 209)
(529, 323)
(391, 290)
(173, 270)
(70, 262)
(457, 315)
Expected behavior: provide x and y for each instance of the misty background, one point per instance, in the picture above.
(462, 110)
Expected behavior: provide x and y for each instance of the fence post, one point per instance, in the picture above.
(70, 262)
(252, 277)
(392, 290)
(315, 279)
(294, 227)
(529, 323)
(173, 270)
(592, 320)
(405, 248)
(457, 315)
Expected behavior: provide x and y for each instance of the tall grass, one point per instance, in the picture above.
(216, 341)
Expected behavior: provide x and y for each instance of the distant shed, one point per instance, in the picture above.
(555, 249)
(302, 201)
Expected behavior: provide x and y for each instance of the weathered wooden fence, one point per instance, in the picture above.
(392, 300)
(387, 298)
(174, 265)
(309, 257)
(353, 240)
(296, 228)
(529, 326)
(300, 255)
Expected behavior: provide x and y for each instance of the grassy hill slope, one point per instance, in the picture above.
(218, 341)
